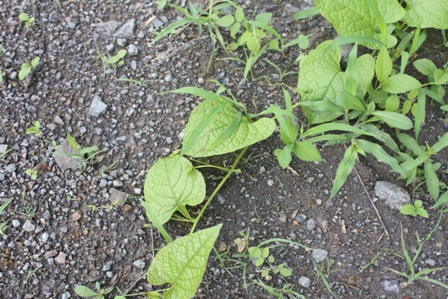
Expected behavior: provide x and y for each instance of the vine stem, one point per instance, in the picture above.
(227, 176)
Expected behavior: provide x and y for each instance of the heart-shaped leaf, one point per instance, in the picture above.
(231, 136)
(171, 184)
(182, 263)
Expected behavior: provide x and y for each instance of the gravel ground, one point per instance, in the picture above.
(73, 226)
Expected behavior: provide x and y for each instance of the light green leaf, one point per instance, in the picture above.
(427, 13)
(225, 21)
(366, 70)
(350, 102)
(441, 144)
(392, 103)
(285, 272)
(351, 72)
(410, 143)
(306, 151)
(442, 200)
(354, 17)
(420, 113)
(307, 13)
(35, 61)
(239, 14)
(84, 291)
(284, 155)
(425, 66)
(171, 184)
(254, 252)
(235, 29)
(247, 132)
(411, 165)
(440, 77)
(24, 71)
(23, 17)
(408, 209)
(182, 263)
(288, 132)
(321, 79)
(264, 17)
(394, 119)
(422, 212)
(383, 66)
(401, 83)
(432, 181)
(344, 169)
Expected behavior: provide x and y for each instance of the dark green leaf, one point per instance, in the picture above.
(432, 181)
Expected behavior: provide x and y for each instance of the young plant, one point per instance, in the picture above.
(112, 61)
(4, 225)
(32, 173)
(24, 17)
(86, 292)
(85, 155)
(414, 209)
(34, 130)
(421, 275)
(27, 67)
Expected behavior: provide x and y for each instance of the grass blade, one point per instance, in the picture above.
(344, 169)
(307, 13)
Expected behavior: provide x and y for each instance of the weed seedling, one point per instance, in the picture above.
(112, 61)
(24, 17)
(414, 209)
(32, 173)
(86, 292)
(4, 225)
(34, 130)
(27, 67)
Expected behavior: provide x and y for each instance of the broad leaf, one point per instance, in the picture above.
(427, 13)
(84, 291)
(401, 83)
(408, 209)
(321, 79)
(344, 169)
(383, 66)
(432, 181)
(410, 143)
(366, 70)
(225, 21)
(306, 151)
(284, 155)
(350, 102)
(244, 134)
(425, 66)
(171, 184)
(394, 119)
(182, 263)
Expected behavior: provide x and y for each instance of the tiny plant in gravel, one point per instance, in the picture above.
(27, 67)
(32, 173)
(86, 292)
(35, 129)
(414, 209)
(24, 17)
(4, 225)
(112, 61)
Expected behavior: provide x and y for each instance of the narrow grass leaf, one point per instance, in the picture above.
(351, 39)
(307, 13)
(155, 221)
(413, 164)
(401, 83)
(442, 143)
(344, 169)
(324, 128)
(350, 102)
(410, 143)
(406, 253)
(228, 131)
(351, 73)
(404, 61)
(381, 136)
(432, 181)
(380, 154)
(421, 108)
(434, 281)
(441, 201)
(5, 204)
(172, 28)
(394, 119)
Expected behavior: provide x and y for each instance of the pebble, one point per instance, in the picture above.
(168, 78)
(201, 81)
(28, 226)
(60, 259)
(282, 218)
(304, 282)
(390, 285)
(300, 218)
(50, 254)
(66, 295)
(310, 224)
(97, 107)
(157, 23)
(430, 262)
(270, 183)
(3, 148)
(71, 25)
(126, 30)
(15, 223)
(394, 196)
(319, 255)
(139, 264)
(132, 50)
(44, 237)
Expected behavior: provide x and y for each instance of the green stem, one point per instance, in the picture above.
(229, 173)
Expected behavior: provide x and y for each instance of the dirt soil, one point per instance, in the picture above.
(63, 230)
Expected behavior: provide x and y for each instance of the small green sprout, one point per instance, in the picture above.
(32, 173)
(24, 17)
(27, 67)
(86, 292)
(415, 209)
(35, 130)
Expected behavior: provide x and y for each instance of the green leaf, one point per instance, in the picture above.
(172, 28)
(441, 144)
(239, 14)
(35, 61)
(271, 259)
(235, 29)
(84, 291)
(182, 263)
(321, 79)
(408, 209)
(265, 252)
(247, 132)
(264, 17)
(410, 143)
(350, 102)
(225, 21)
(366, 71)
(440, 77)
(421, 111)
(72, 141)
(442, 200)
(171, 184)
(401, 83)
(23, 17)
(289, 131)
(383, 66)
(394, 119)
(344, 169)
(426, 14)
(354, 17)
(24, 71)
(307, 13)
(285, 272)
(306, 151)
(422, 212)
(284, 155)
(425, 66)
(392, 103)
(351, 73)
(432, 181)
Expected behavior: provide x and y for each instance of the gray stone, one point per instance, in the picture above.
(66, 295)
(58, 120)
(115, 194)
(319, 255)
(132, 50)
(71, 25)
(390, 285)
(106, 29)
(127, 30)
(66, 162)
(15, 223)
(110, 47)
(300, 218)
(60, 259)
(157, 23)
(395, 197)
(304, 282)
(97, 107)
(310, 224)
(28, 226)
(168, 78)
(121, 42)
(133, 65)
(3, 148)
(139, 264)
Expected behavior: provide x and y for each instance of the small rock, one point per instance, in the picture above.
(71, 25)
(282, 218)
(132, 50)
(15, 223)
(76, 215)
(139, 264)
(3, 148)
(430, 262)
(310, 180)
(319, 255)
(390, 285)
(115, 194)
(110, 47)
(28, 226)
(168, 78)
(121, 42)
(97, 107)
(157, 23)
(67, 162)
(304, 282)
(66, 295)
(270, 183)
(300, 218)
(106, 29)
(44, 237)
(310, 224)
(50, 254)
(58, 120)
(395, 197)
(127, 30)
(201, 81)
(60, 259)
